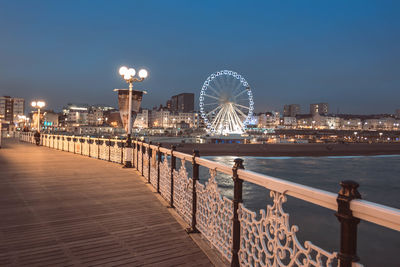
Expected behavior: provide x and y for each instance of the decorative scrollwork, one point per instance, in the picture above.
(85, 148)
(139, 162)
(271, 241)
(214, 216)
(103, 149)
(94, 150)
(71, 146)
(145, 160)
(183, 193)
(115, 153)
(165, 180)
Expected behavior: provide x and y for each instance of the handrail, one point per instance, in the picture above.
(376, 213)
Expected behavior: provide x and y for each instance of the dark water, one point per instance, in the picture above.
(379, 179)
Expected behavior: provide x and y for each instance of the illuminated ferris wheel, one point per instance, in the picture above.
(226, 103)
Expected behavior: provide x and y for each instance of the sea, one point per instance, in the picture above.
(379, 179)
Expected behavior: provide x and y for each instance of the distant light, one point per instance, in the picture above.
(143, 73)
(40, 104)
(33, 104)
(123, 70)
(131, 72)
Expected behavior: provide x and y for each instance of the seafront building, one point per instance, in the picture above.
(319, 108)
(12, 109)
(291, 110)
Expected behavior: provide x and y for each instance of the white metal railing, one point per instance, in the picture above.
(242, 236)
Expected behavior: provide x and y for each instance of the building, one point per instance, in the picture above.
(11, 109)
(95, 116)
(291, 110)
(319, 108)
(268, 120)
(50, 120)
(351, 124)
(290, 122)
(142, 119)
(181, 103)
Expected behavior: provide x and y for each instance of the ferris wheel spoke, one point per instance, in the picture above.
(242, 92)
(236, 123)
(215, 109)
(237, 87)
(241, 113)
(209, 104)
(216, 91)
(211, 96)
(238, 105)
(217, 118)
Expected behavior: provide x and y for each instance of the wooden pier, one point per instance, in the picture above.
(62, 209)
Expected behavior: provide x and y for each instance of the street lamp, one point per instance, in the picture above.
(128, 74)
(38, 104)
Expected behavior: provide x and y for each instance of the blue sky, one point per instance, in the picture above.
(345, 53)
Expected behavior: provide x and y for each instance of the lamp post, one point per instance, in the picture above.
(129, 76)
(38, 104)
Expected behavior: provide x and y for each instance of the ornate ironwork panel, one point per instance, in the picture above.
(153, 169)
(115, 153)
(165, 180)
(146, 164)
(71, 146)
(78, 146)
(85, 148)
(214, 216)
(183, 195)
(271, 241)
(104, 151)
(93, 150)
(65, 145)
(60, 143)
(139, 160)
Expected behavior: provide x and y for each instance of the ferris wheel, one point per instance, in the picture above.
(226, 103)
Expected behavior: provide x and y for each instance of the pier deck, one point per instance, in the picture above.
(61, 209)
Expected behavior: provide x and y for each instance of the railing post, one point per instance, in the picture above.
(348, 223)
(158, 167)
(237, 198)
(142, 151)
(137, 154)
(89, 145)
(73, 141)
(173, 167)
(98, 148)
(109, 149)
(195, 170)
(148, 161)
(122, 152)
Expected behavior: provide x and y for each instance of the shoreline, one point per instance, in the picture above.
(290, 150)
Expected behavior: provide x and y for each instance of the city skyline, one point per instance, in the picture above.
(345, 54)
